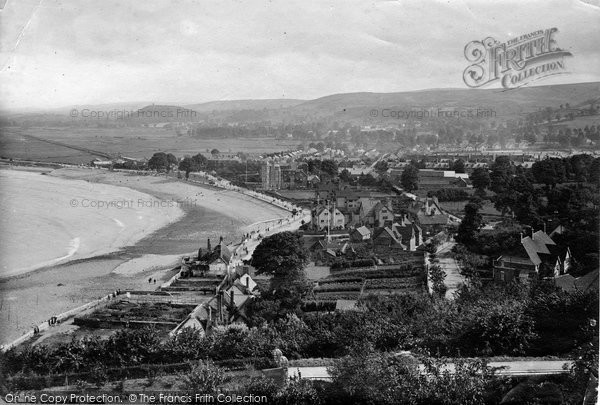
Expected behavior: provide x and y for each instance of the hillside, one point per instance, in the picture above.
(504, 102)
(238, 105)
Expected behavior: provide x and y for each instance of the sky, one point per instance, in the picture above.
(56, 53)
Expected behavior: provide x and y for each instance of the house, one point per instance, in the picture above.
(383, 214)
(386, 237)
(216, 261)
(567, 282)
(537, 256)
(411, 235)
(327, 218)
(429, 215)
(360, 234)
(375, 213)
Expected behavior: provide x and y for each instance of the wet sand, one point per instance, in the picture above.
(31, 298)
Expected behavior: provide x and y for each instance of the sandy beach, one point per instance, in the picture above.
(204, 212)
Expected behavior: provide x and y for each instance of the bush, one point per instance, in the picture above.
(204, 377)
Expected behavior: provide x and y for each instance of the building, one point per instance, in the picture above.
(386, 237)
(327, 218)
(537, 256)
(360, 234)
(411, 235)
(270, 176)
(431, 179)
(216, 261)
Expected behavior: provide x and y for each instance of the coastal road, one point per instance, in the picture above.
(503, 368)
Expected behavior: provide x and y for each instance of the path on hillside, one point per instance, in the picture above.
(454, 280)
(503, 368)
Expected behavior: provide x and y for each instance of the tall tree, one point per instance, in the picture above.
(283, 257)
(458, 166)
(329, 167)
(502, 171)
(480, 178)
(549, 171)
(159, 161)
(471, 223)
(410, 178)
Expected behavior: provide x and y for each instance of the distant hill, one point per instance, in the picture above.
(346, 107)
(504, 102)
(239, 105)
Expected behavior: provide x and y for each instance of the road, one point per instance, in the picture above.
(454, 280)
(504, 368)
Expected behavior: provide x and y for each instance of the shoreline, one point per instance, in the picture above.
(36, 295)
(75, 234)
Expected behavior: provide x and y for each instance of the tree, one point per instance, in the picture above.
(458, 166)
(480, 178)
(502, 171)
(437, 277)
(188, 165)
(283, 257)
(204, 377)
(410, 178)
(382, 166)
(171, 160)
(595, 172)
(367, 180)
(159, 161)
(470, 223)
(549, 171)
(384, 379)
(214, 152)
(345, 176)
(329, 167)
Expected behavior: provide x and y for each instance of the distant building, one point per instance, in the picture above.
(431, 179)
(537, 256)
(270, 176)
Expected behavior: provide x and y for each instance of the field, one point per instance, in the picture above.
(132, 314)
(137, 142)
(389, 279)
(457, 208)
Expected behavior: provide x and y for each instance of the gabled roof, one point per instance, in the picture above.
(543, 238)
(363, 230)
(386, 231)
(407, 231)
(442, 219)
(367, 204)
(539, 248)
(245, 280)
(219, 252)
(588, 282)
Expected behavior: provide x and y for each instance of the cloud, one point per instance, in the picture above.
(87, 51)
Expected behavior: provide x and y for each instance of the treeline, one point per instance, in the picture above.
(481, 321)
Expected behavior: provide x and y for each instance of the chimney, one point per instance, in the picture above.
(247, 282)
(220, 240)
(232, 302)
(208, 246)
